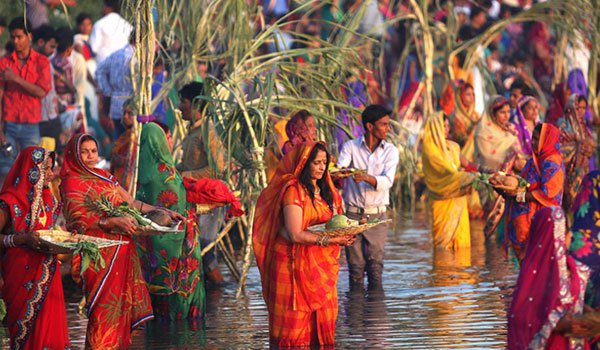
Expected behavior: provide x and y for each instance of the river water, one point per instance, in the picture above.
(432, 300)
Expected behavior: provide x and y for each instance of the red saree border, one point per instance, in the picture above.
(26, 324)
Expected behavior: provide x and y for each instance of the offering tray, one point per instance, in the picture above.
(354, 229)
(338, 173)
(63, 242)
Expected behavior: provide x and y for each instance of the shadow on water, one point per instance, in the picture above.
(432, 300)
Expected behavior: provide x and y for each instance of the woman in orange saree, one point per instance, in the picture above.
(117, 298)
(299, 269)
(545, 174)
(33, 292)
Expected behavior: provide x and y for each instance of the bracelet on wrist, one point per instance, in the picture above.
(9, 241)
(103, 223)
(521, 196)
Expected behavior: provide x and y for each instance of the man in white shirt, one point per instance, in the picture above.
(110, 33)
(367, 194)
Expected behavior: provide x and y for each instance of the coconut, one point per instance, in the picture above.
(160, 217)
(337, 221)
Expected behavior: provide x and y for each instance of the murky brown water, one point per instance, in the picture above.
(432, 300)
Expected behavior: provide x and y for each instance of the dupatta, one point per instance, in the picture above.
(32, 290)
(585, 244)
(117, 298)
(573, 133)
(171, 264)
(550, 284)
(308, 274)
(524, 134)
(441, 163)
(495, 145)
(545, 174)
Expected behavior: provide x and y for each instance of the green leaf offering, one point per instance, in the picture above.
(89, 252)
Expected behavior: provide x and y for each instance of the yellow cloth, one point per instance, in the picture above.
(448, 187)
(48, 143)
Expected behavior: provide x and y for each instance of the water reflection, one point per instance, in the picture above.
(432, 300)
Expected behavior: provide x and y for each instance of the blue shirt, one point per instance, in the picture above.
(114, 79)
(381, 163)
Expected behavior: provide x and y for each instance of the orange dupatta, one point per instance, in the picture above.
(309, 276)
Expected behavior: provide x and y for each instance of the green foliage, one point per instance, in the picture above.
(89, 252)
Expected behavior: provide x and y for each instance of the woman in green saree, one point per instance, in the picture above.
(171, 263)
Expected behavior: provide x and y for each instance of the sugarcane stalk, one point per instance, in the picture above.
(224, 232)
(229, 261)
(142, 69)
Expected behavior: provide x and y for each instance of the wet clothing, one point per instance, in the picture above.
(551, 284)
(448, 186)
(117, 299)
(172, 264)
(545, 174)
(32, 290)
(299, 281)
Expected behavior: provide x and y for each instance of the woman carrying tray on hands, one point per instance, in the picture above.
(33, 289)
(171, 264)
(116, 295)
(299, 269)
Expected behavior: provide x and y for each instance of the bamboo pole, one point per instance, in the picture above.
(224, 231)
(142, 65)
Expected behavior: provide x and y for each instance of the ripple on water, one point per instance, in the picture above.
(432, 300)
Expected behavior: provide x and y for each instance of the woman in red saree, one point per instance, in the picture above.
(549, 291)
(117, 299)
(545, 174)
(299, 269)
(32, 289)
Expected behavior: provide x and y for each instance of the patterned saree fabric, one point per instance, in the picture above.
(117, 299)
(495, 144)
(546, 175)
(573, 134)
(171, 263)
(551, 284)
(447, 185)
(32, 289)
(299, 281)
(585, 244)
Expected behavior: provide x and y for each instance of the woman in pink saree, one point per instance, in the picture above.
(550, 289)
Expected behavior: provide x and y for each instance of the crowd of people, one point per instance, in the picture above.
(525, 168)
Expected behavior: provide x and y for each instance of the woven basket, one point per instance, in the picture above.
(63, 242)
(351, 230)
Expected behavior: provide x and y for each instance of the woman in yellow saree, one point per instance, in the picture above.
(448, 186)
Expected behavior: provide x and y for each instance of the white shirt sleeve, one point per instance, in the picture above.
(345, 156)
(386, 179)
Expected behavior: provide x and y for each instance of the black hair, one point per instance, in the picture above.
(115, 5)
(475, 11)
(82, 16)
(192, 91)
(44, 32)
(582, 98)
(19, 23)
(373, 113)
(498, 107)
(518, 84)
(2, 22)
(88, 138)
(306, 180)
(163, 126)
(65, 39)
